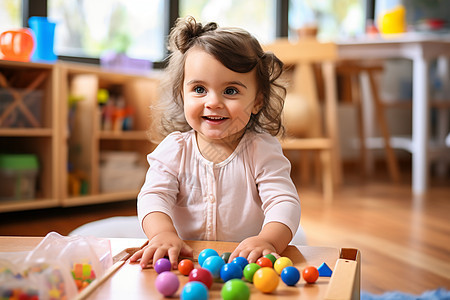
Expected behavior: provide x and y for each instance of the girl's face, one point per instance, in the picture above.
(218, 102)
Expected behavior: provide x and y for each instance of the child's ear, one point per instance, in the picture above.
(259, 101)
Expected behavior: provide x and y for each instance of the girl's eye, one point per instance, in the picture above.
(199, 90)
(231, 91)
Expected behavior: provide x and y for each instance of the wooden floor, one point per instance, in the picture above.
(404, 239)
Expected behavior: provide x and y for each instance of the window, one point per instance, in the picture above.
(335, 19)
(138, 28)
(88, 28)
(10, 14)
(256, 16)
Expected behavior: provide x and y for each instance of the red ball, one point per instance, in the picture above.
(264, 262)
(202, 275)
(185, 266)
(310, 274)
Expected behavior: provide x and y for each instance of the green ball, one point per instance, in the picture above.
(235, 289)
(250, 270)
(272, 258)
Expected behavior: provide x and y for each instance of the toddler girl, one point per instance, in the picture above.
(220, 173)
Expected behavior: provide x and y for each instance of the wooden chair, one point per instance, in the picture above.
(321, 135)
(354, 69)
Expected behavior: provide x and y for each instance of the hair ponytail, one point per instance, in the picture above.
(185, 32)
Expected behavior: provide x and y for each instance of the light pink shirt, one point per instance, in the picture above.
(228, 201)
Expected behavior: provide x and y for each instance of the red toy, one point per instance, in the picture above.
(264, 262)
(310, 274)
(185, 266)
(202, 275)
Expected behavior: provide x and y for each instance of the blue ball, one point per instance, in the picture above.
(204, 254)
(194, 290)
(290, 275)
(240, 261)
(213, 264)
(230, 271)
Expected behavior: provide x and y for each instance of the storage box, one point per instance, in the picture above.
(121, 171)
(20, 108)
(18, 173)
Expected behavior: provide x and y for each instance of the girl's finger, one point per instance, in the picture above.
(173, 256)
(146, 257)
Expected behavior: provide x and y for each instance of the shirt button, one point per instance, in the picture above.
(212, 199)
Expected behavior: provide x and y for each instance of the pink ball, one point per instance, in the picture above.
(167, 283)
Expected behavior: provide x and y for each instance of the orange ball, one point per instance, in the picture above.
(264, 262)
(310, 274)
(185, 266)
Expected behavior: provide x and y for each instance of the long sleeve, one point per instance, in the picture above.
(279, 196)
(160, 189)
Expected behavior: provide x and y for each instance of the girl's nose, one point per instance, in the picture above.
(213, 100)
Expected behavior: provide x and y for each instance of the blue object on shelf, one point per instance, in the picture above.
(44, 32)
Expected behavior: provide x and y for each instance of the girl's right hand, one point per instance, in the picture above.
(163, 244)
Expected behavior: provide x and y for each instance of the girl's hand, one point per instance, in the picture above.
(163, 244)
(253, 248)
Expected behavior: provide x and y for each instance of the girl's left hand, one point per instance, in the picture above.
(253, 248)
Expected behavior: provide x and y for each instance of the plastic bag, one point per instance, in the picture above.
(58, 268)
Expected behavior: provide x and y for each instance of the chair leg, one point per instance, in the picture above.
(327, 175)
(357, 100)
(379, 110)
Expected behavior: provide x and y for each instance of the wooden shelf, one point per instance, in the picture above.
(24, 132)
(100, 198)
(17, 205)
(123, 135)
(72, 136)
(34, 127)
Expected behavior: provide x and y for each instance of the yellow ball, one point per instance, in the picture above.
(282, 263)
(266, 280)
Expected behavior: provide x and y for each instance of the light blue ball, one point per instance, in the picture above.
(213, 264)
(204, 254)
(194, 290)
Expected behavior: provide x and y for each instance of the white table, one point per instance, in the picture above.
(421, 49)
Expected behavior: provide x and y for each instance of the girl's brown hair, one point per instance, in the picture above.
(237, 50)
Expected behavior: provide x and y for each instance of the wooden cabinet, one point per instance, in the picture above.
(71, 140)
(31, 126)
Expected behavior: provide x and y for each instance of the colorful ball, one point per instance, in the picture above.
(235, 289)
(264, 262)
(250, 270)
(194, 290)
(290, 275)
(266, 280)
(226, 256)
(202, 275)
(282, 263)
(167, 283)
(230, 271)
(185, 266)
(162, 265)
(241, 261)
(272, 257)
(310, 274)
(204, 254)
(213, 264)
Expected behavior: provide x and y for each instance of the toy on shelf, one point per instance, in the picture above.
(115, 114)
(17, 45)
